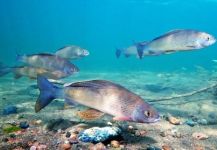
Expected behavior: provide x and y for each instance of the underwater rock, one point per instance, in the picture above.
(166, 147)
(9, 110)
(115, 144)
(9, 128)
(97, 134)
(199, 136)
(153, 148)
(98, 146)
(202, 122)
(66, 146)
(191, 123)
(24, 125)
(56, 124)
(173, 120)
(68, 134)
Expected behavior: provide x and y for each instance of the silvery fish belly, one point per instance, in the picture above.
(50, 62)
(112, 99)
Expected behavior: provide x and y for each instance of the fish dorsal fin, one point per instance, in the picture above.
(167, 34)
(62, 48)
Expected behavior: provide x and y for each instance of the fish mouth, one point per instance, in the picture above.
(86, 53)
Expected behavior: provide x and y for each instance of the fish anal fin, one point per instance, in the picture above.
(127, 55)
(90, 114)
(121, 118)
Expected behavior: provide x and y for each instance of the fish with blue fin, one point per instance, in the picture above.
(104, 96)
(174, 41)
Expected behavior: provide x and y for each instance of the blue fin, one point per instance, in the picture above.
(4, 69)
(48, 92)
(118, 52)
(140, 49)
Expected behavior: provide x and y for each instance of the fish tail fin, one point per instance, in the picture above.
(48, 92)
(118, 52)
(19, 57)
(4, 69)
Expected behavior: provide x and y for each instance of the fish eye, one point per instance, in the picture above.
(147, 113)
(208, 38)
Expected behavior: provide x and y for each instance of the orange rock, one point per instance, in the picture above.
(166, 147)
(115, 144)
(200, 136)
(65, 146)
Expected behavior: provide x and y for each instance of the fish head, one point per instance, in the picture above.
(206, 39)
(83, 52)
(144, 113)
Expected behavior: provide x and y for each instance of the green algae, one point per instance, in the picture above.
(8, 128)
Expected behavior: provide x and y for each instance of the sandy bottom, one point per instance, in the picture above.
(151, 86)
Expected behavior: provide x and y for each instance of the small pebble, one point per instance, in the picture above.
(173, 120)
(153, 148)
(100, 146)
(5, 140)
(200, 136)
(24, 125)
(115, 144)
(65, 146)
(202, 121)
(33, 148)
(68, 134)
(38, 122)
(166, 147)
(191, 123)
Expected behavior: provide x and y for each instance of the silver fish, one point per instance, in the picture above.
(72, 52)
(101, 95)
(176, 40)
(49, 62)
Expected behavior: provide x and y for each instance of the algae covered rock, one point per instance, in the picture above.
(97, 134)
(9, 128)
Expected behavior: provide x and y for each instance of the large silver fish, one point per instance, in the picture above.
(101, 95)
(176, 40)
(72, 52)
(49, 62)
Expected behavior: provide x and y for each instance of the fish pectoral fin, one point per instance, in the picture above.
(121, 118)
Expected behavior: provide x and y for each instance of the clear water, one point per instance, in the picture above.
(101, 26)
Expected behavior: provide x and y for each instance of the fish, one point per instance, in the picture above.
(49, 62)
(32, 73)
(102, 95)
(174, 41)
(72, 52)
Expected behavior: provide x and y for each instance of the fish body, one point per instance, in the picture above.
(49, 62)
(32, 73)
(72, 52)
(176, 40)
(101, 95)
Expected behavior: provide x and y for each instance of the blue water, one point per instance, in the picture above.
(103, 25)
